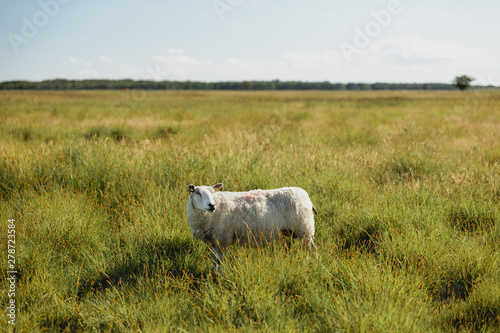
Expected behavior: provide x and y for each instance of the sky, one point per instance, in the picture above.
(233, 40)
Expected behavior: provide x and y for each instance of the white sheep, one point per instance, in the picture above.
(249, 218)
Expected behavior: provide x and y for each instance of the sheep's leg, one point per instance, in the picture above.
(312, 246)
(309, 244)
(217, 255)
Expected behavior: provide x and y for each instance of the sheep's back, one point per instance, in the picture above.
(266, 208)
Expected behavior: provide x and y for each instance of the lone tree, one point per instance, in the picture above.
(463, 82)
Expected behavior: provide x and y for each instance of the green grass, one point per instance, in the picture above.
(407, 186)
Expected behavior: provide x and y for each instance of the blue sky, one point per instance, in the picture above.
(216, 40)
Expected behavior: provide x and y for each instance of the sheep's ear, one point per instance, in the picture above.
(217, 186)
(191, 188)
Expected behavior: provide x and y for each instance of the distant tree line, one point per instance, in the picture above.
(60, 84)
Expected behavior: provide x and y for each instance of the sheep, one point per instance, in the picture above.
(249, 218)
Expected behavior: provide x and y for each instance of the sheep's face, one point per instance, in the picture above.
(203, 197)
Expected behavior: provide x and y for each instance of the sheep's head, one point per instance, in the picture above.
(203, 197)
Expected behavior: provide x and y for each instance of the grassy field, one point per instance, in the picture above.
(407, 185)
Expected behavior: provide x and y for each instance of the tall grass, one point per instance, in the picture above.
(407, 185)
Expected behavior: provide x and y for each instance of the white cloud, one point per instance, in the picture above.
(106, 60)
(129, 72)
(422, 60)
(403, 59)
(174, 51)
(182, 67)
(290, 66)
(235, 69)
(413, 49)
(88, 73)
(78, 61)
(180, 60)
